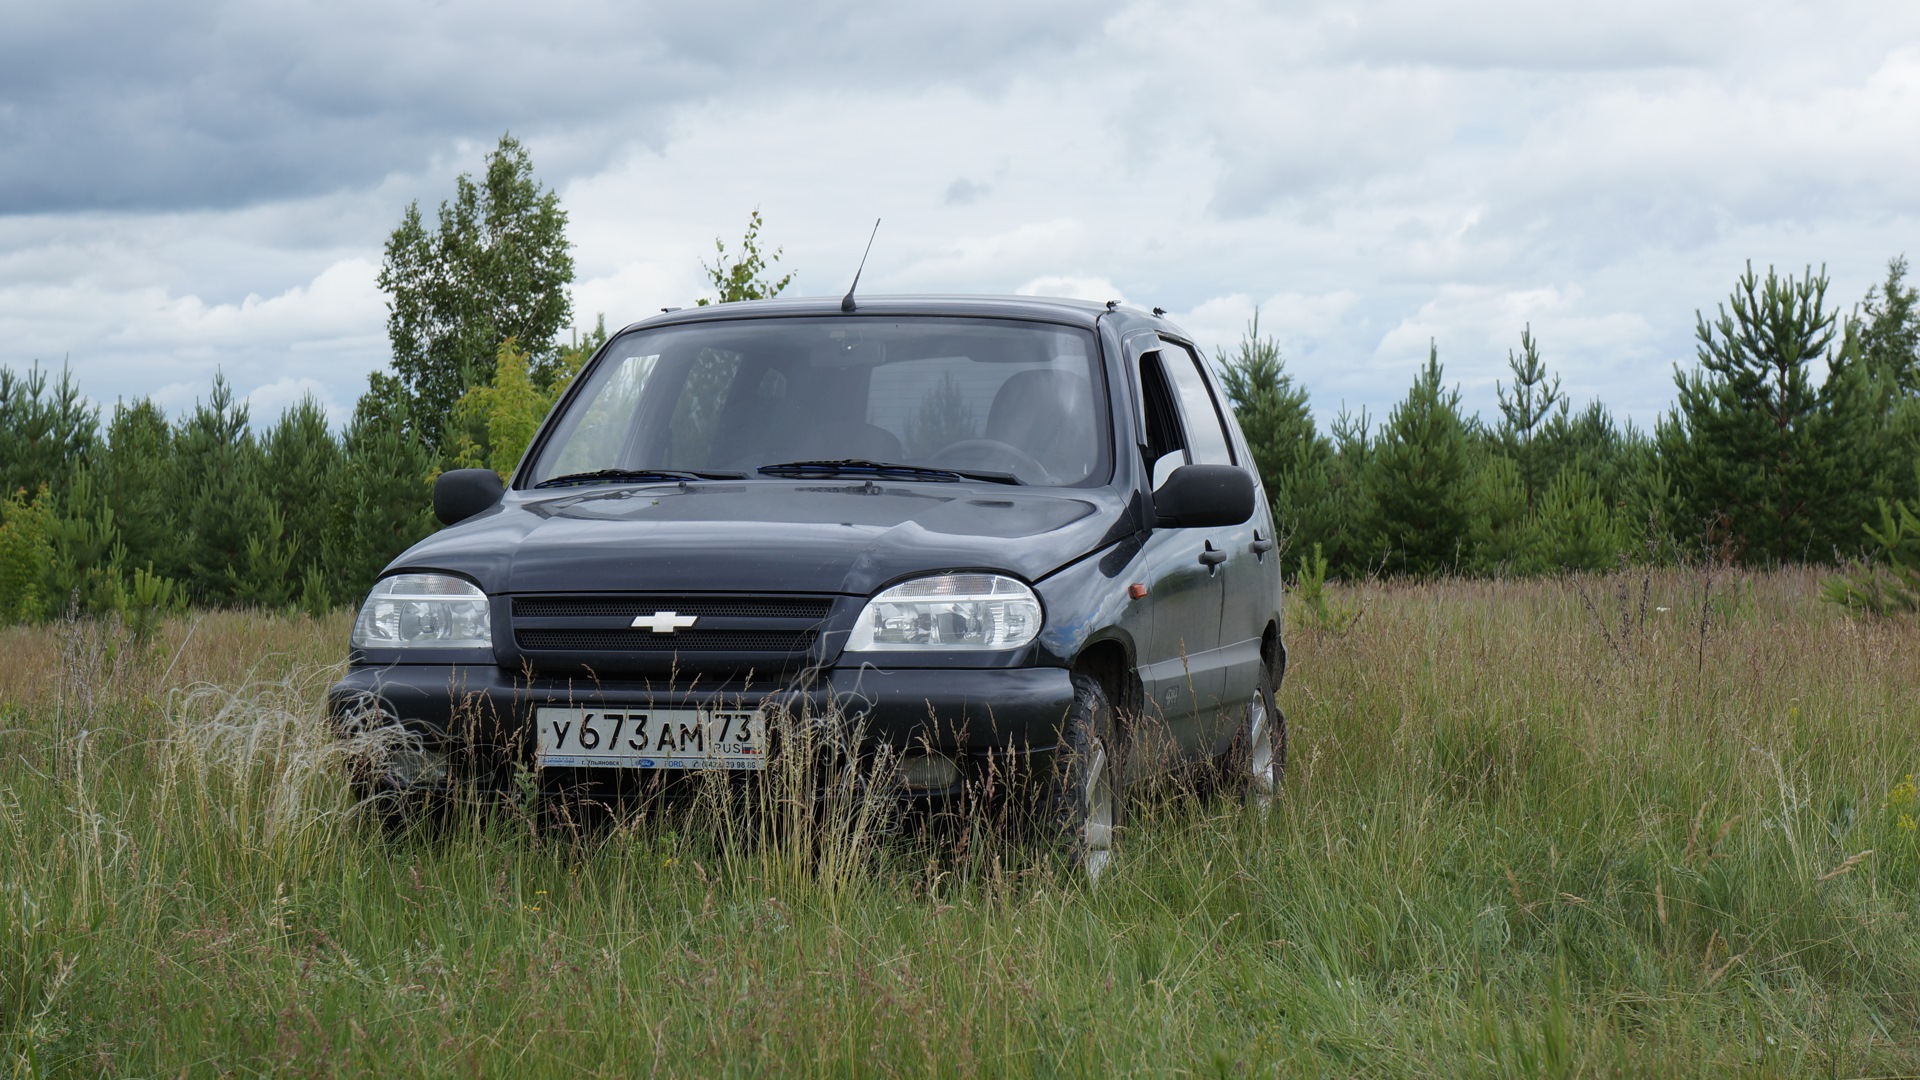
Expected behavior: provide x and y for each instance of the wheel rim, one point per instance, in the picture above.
(1259, 751)
(1098, 794)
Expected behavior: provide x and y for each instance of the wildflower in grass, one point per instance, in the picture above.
(1901, 800)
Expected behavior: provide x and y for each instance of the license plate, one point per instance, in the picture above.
(651, 738)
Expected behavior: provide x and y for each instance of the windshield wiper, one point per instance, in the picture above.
(617, 476)
(861, 466)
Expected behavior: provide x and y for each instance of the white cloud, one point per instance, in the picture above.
(1097, 289)
(1367, 174)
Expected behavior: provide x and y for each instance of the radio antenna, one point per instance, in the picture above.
(846, 304)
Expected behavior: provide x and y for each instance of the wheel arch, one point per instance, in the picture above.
(1109, 661)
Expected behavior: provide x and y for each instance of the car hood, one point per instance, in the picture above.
(769, 536)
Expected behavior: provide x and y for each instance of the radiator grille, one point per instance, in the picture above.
(684, 641)
(595, 631)
(812, 608)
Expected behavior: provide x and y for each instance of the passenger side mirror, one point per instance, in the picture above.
(461, 493)
(1204, 496)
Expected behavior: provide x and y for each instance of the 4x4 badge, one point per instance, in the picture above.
(664, 622)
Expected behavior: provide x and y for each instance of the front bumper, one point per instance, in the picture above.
(483, 716)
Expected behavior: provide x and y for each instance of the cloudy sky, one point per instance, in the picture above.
(204, 186)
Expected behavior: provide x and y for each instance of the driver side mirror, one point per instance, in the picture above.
(1204, 496)
(461, 493)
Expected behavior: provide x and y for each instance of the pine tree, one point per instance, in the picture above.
(1524, 412)
(1784, 467)
(224, 503)
(1884, 337)
(385, 492)
(303, 462)
(1293, 458)
(42, 435)
(1328, 498)
(1418, 481)
(144, 486)
(1501, 533)
(1885, 333)
(1574, 528)
(497, 267)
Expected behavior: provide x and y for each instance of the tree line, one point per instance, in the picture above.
(143, 514)
(1798, 425)
(1794, 439)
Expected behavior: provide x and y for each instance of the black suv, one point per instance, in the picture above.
(975, 527)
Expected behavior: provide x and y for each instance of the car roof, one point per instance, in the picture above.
(1044, 308)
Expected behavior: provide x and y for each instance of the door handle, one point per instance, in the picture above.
(1210, 558)
(1260, 546)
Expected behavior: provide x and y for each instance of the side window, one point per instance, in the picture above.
(1206, 432)
(1166, 448)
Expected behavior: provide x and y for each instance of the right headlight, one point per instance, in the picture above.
(949, 612)
(435, 611)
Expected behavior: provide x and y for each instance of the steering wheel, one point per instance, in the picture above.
(990, 455)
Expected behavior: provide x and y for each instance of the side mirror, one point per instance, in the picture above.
(461, 493)
(1204, 496)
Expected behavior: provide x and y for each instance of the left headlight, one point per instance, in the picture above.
(434, 611)
(949, 612)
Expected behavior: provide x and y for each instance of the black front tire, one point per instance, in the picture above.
(1085, 797)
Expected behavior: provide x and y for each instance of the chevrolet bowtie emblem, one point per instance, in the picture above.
(664, 622)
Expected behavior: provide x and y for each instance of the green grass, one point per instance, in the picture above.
(1528, 829)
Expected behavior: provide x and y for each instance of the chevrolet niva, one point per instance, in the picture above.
(974, 527)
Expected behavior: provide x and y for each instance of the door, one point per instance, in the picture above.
(1250, 567)
(1180, 666)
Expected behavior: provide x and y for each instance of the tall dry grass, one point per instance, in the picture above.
(1617, 824)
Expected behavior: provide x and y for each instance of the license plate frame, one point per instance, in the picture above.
(641, 737)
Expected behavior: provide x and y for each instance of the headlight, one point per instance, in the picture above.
(435, 611)
(949, 611)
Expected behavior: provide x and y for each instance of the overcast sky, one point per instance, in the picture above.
(195, 187)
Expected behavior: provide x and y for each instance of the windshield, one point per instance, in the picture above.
(1021, 400)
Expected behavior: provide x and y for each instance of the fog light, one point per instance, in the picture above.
(927, 772)
(410, 767)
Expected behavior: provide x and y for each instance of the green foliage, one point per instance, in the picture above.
(744, 276)
(1574, 528)
(1310, 593)
(225, 504)
(302, 462)
(26, 556)
(553, 380)
(88, 555)
(1885, 333)
(1788, 465)
(1294, 460)
(1418, 482)
(493, 424)
(384, 499)
(137, 477)
(42, 434)
(1524, 412)
(1502, 535)
(496, 267)
(1886, 581)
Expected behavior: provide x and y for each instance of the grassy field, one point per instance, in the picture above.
(1551, 828)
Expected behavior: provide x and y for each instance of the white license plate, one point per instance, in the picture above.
(651, 738)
